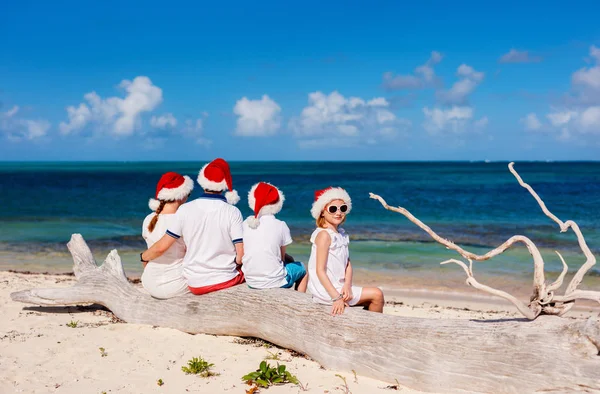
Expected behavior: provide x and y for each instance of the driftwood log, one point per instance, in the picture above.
(450, 356)
(544, 300)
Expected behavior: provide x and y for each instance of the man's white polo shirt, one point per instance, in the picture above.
(210, 227)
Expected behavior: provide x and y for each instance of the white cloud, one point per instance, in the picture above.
(531, 122)
(589, 78)
(164, 121)
(424, 76)
(456, 119)
(559, 119)
(582, 121)
(17, 129)
(590, 120)
(352, 117)
(257, 118)
(459, 93)
(194, 126)
(580, 115)
(12, 112)
(117, 116)
(515, 56)
(35, 128)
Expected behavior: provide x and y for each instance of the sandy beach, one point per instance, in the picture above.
(41, 353)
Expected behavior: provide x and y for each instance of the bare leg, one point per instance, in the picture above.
(301, 287)
(372, 299)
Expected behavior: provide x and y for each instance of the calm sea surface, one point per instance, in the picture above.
(477, 205)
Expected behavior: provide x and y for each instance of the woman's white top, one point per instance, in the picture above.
(337, 261)
(163, 276)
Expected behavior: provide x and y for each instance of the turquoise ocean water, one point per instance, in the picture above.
(477, 205)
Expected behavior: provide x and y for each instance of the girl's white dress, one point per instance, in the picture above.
(163, 276)
(337, 261)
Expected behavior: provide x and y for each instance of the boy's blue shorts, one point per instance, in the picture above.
(295, 273)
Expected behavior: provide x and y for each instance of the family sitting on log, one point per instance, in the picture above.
(204, 245)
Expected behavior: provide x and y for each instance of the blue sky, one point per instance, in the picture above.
(311, 81)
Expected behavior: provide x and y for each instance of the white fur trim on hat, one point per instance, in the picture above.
(232, 197)
(253, 222)
(153, 204)
(177, 193)
(210, 185)
(272, 209)
(335, 193)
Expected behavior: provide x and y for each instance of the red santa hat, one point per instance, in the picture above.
(171, 187)
(216, 176)
(325, 196)
(264, 199)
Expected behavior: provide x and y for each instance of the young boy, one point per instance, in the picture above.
(265, 263)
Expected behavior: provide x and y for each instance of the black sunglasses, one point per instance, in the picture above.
(333, 208)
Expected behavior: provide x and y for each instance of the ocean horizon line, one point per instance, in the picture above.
(297, 161)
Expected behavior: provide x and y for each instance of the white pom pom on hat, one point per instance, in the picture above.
(327, 195)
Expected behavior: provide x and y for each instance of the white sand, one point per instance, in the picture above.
(39, 353)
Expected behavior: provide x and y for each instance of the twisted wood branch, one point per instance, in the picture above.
(543, 299)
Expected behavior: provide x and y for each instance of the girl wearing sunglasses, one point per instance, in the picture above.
(329, 268)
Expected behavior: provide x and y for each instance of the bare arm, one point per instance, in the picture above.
(348, 277)
(347, 288)
(159, 248)
(239, 252)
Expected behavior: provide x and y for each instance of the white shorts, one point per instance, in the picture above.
(356, 293)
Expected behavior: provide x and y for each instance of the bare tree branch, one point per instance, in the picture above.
(543, 300)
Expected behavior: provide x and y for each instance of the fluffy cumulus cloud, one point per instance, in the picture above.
(459, 93)
(453, 113)
(257, 118)
(353, 118)
(586, 81)
(581, 115)
(423, 76)
(515, 56)
(456, 119)
(580, 121)
(119, 116)
(17, 128)
(163, 122)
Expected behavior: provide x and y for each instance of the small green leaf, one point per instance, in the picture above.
(262, 382)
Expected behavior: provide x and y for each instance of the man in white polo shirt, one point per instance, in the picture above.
(212, 232)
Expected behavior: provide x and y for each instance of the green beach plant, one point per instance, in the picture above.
(198, 366)
(266, 376)
(273, 356)
(160, 382)
(103, 352)
(72, 324)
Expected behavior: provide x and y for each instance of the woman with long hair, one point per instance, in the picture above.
(163, 276)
